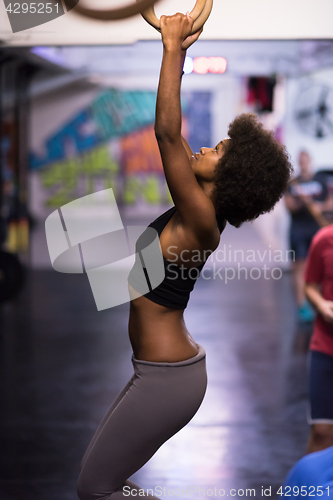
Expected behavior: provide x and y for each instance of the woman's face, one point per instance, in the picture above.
(204, 163)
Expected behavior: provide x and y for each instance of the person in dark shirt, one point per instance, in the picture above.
(304, 200)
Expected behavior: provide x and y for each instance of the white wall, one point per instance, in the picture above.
(230, 20)
(320, 150)
(273, 227)
(50, 111)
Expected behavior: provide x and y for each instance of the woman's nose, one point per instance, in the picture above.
(203, 151)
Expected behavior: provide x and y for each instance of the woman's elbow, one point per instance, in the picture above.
(164, 135)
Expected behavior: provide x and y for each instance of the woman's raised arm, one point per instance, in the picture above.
(195, 208)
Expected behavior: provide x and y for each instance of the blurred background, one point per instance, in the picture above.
(77, 108)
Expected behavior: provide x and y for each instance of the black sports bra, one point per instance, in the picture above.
(174, 291)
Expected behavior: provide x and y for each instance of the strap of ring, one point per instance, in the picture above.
(114, 14)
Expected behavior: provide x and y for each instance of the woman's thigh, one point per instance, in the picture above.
(160, 400)
(105, 419)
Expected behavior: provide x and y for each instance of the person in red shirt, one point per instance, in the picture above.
(319, 290)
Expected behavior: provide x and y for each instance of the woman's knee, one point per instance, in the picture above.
(83, 489)
(87, 490)
(94, 484)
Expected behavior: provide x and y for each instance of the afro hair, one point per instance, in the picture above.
(252, 174)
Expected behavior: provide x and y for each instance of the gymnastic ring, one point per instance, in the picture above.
(200, 14)
(113, 14)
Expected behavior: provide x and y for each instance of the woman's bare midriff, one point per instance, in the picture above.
(159, 333)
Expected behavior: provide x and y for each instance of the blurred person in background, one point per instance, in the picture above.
(319, 290)
(311, 477)
(305, 202)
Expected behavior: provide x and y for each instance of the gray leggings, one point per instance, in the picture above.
(157, 402)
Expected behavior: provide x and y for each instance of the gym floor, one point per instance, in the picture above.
(62, 364)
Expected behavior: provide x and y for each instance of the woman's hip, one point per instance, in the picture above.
(177, 387)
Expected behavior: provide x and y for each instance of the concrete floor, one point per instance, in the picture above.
(62, 363)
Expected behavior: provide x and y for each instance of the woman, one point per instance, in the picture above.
(237, 180)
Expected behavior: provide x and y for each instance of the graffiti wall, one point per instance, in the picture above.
(111, 143)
